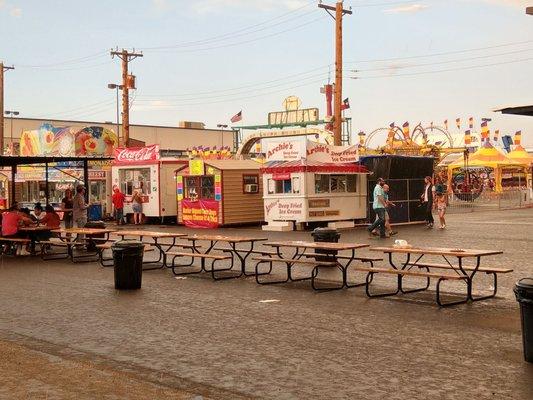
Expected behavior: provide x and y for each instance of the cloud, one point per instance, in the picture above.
(210, 6)
(514, 3)
(407, 9)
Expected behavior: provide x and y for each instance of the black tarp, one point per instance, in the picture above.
(405, 176)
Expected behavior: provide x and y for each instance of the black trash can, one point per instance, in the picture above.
(331, 235)
(91, 246)
(523, 291)
(128, 263)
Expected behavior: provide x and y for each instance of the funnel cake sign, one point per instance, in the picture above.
(137, 155)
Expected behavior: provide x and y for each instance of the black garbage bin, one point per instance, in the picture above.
(325, 235)
(128, 263)
(91, 246)
(523, 291)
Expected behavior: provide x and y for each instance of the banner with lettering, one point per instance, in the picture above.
(200, 214)
(137, 155)
(331, 154)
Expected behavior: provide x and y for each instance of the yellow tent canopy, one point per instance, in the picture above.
(521, 156)
(485, 156)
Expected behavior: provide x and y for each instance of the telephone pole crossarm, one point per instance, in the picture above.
(126, 56)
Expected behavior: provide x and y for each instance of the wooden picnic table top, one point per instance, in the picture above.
(84, 231)
(142, 233)
(229, 239)
(318, 245)
(35, 228)
(438, 251)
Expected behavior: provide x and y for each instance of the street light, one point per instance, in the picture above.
(11, 114)
(117, 87)
(222, 126)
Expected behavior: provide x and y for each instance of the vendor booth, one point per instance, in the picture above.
(142, 169)
(211, 193)
(304, 191)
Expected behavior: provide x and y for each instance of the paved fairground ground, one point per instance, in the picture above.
(66, 333)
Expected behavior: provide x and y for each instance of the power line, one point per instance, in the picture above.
(70, 61)
(444, 62)
(246, 41)
(445, 70)
(232, 33)
(441, 53)
(254, 86)
(389, 3)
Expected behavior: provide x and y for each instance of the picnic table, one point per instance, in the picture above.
(241, 253)
(156, 242)
(66, 241)
(33, 234)
(461, 272)
(325, 255)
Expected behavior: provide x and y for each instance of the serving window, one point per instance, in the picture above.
(327, 183)
(284, 186)
(199, 187)
(135, 179)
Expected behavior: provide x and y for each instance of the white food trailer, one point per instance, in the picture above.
(143, 169)
(303, 191)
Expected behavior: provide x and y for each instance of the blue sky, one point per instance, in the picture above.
(204, 60)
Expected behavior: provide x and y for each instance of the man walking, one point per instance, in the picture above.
(379, 205)
(427, 200)
(118, 204)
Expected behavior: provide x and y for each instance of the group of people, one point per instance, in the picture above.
(433, 197)
(118, 199)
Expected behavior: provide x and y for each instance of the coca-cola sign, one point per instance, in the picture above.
(137, 155)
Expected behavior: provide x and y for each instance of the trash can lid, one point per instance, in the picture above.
(125, 244)
(525, 284)
(324, 230)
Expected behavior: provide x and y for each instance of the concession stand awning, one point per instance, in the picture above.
(47, 162)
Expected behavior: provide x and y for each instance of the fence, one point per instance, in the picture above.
(490, 201)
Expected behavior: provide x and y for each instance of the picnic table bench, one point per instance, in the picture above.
(460, 272)
(231, 252)
(325, 256)
(7, 244)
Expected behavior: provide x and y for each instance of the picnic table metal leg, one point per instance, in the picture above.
(315, 273)
(369, 279)
(451, 303)
(267, 282)
(471, 283)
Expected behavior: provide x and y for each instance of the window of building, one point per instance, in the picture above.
(283, 186)
(325, 183)
(199, 187)
(250, 184)
(135, 179)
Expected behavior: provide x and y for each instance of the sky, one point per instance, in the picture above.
(205, 60)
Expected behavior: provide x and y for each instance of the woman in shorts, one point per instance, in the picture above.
(137, 205)
(441, 204)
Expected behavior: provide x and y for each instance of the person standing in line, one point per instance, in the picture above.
(388, 227)
(67, 204)
(137, 205)
(118, 205)
(79, 209)
(379, 207)
(427, 201)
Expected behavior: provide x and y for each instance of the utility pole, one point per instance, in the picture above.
(340, 12)
(2, 70)
(128, 82)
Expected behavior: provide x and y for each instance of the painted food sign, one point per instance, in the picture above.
(68, 141)
(200, 214)
(285, 210)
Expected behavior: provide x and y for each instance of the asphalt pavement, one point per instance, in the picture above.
(197, 339)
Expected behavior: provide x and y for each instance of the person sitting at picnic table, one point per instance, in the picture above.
(37, 214)
(118, 205)
(11, 220)
(52, 220)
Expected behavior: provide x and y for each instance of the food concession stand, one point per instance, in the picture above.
(211, 193)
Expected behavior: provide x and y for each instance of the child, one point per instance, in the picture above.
(441, 203)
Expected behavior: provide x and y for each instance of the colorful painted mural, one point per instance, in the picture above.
(68, 141)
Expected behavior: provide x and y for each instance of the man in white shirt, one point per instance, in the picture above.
(427, 200)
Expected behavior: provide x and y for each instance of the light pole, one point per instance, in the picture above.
(222, 126)
(117, 87)
(10, 114)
